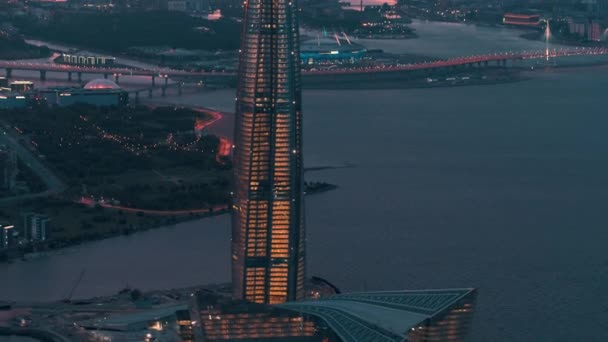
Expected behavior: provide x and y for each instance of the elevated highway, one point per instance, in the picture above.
(228, 77)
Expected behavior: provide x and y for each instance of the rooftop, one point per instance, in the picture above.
(123, 322)
(84, 53)
(101, 83)
(380, 316)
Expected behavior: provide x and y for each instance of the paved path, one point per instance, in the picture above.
(53, 183)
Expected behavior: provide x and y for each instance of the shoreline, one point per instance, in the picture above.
(512, 75)
(320, 188)
(161, 219)
(59, 246)
(523, 74)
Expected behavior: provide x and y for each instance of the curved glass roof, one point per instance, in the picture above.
(101, 83)
(379, 316)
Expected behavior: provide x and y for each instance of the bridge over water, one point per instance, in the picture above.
(228, 77)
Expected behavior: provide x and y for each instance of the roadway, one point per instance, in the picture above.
(166, 73)
(467, 60)
(42, 334)
(88, 201)
(53, 183)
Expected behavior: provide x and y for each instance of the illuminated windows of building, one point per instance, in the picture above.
(268, 227)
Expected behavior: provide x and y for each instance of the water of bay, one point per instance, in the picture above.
(497, 187)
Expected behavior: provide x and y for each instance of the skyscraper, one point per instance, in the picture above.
(268, 208)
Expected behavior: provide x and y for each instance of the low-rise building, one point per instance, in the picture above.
(335, 49)
(519, 19)
(594, 31)
(13, 100)
(21, 86)
(8, 236)
(100, 92)
(585, 28)
(87, 58)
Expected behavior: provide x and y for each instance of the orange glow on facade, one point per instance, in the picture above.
(532, 20)
(455, 325)
(218, 326)
(224, 149)
(268, 227)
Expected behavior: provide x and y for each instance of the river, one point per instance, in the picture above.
(443, 39)
(499, 187)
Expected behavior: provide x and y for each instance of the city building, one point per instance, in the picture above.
(268, 257)
(223, 319)
(594, 31)
(8, 168)
(87, 58)
(517, 19)
(13, 100)
(4, 84)
(36, 227)
(99, 92)
(577, 26)
(413, 316)
(158, 318)
(21, 86)
(8, 236)
(387, 316)
(585, 28)
(185, 328)
(338, 49)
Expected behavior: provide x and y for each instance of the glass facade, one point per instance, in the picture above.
(263, 326)
(453, 326)
(268, 222)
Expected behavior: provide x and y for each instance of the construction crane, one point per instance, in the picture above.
(346, 38)
(70, 293)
